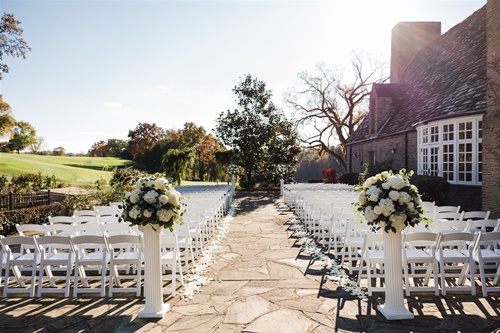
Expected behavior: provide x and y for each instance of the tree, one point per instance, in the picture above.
(176, 163)
(6, 120)
(37, 145)
(331, 107)
(253, 129)
(142, 139)
(24, 135)
(59, 151)
(11, 41)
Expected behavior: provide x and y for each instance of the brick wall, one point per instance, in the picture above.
(491, 120)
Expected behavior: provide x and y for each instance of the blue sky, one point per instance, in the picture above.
(98, 68)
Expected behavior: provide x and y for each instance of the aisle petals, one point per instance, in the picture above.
(196, 278)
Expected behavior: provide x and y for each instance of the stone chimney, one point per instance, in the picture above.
(491, 120)
(407, 39)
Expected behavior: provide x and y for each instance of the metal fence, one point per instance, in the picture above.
(15, 201)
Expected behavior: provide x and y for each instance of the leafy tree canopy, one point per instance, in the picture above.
(258, 132)
(11, 42)
(24, 135)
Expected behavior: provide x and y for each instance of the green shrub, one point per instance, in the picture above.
(432, 188)
(351, 178)
(371, 170)
(32, 215)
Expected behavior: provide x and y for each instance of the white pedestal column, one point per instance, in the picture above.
(233, 184)
(282, 186)
(394, 308)
(153, 288)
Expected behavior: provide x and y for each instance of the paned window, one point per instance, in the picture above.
(452, 149)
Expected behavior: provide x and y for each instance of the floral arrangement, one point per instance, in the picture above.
(153, 201)
(232, 169)
(390, 201)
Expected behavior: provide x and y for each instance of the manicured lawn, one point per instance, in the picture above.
(71, 169)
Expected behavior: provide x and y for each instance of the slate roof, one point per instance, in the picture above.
(445, 79)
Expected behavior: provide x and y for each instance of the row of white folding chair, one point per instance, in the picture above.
(454, 257)
(444, 226)
(75, 229)
(112, 210)
(82, 219)
(78, 254)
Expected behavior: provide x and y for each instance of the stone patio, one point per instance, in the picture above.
(262, 283)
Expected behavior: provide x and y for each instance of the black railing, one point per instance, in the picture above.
(15, 201)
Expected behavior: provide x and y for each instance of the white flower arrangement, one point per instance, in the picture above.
(390, 201)
(232, 169)
(153, 201)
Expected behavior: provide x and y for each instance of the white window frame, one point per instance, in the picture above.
(430, 139)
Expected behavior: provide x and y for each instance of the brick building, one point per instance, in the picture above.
(434, 116)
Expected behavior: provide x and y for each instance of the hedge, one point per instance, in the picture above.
(32, 215)
(432, 188)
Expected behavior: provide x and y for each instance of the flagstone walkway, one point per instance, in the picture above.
(262, 283)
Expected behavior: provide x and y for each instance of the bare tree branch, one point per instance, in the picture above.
(332, 106)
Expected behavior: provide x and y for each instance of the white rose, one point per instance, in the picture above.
(398, 220)
(151, 197)
(164, 215)
(386, 186)
(411, 206)
(135, 212)
(387, 206)
(362, 197)
(370, 181)
(135, 196)
(160, 184)
(394, 195)
(148, 213)
(396, 182)
(173, 197)
(404, 198)
(370, 216)
(163, 199)
(385, 174)
(377, 210)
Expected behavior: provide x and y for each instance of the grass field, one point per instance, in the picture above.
(68, 169)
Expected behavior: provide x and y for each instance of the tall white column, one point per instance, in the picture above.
(233, 183)
(153, 286)
(282, 186)
(394, 307)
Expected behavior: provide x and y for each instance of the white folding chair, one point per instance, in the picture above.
(61, 219)
(126, 256)
(56, 255)
(84, 212)
(487, 257)
(171, 261)
(419, 261)
(354, 242)
(105, 211)
(85, 220)
(91, 254)
(59, 229)
(456, 261)
(483, 225)
(446, 209)
(88, 229)
(476, 215)
(450, 222)
(19, 262)
(121, 228)
(372, 261)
